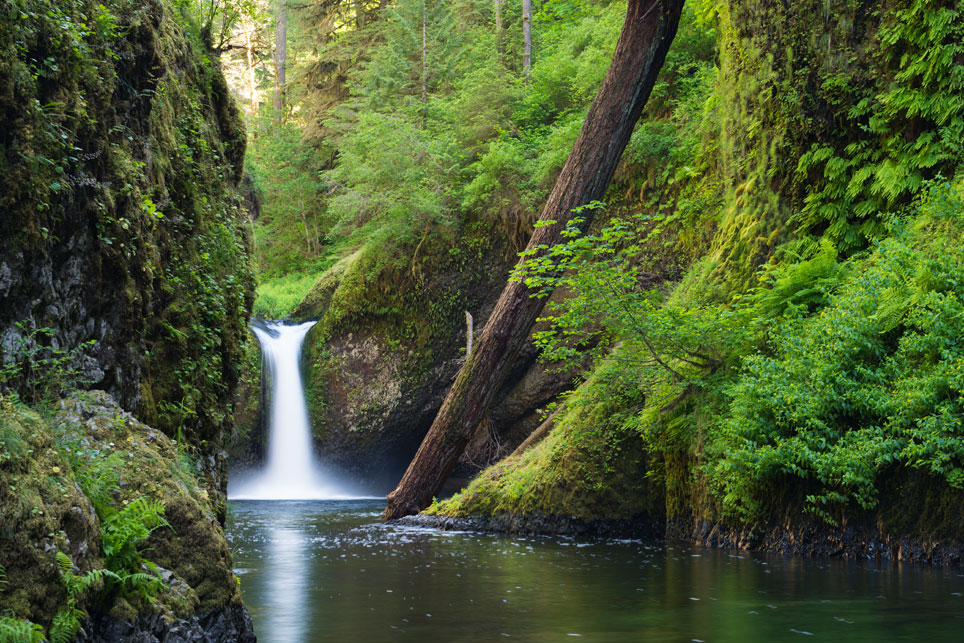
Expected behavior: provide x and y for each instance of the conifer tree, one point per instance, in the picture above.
(422, 51)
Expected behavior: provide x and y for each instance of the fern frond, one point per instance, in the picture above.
(14, 630)
(66, 623)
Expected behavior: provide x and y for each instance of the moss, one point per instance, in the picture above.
(124, 148)
(43, 510)
(246, 442)
(194, 548)
(813, 124)
(591, 467)
(390, 317)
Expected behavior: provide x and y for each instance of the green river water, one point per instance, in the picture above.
(330, 571)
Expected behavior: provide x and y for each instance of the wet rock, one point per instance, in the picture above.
(539, 524)
(228, 625)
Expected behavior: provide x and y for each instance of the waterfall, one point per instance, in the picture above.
(291, 470)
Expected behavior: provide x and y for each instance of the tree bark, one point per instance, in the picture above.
(647, 33)
(527, 39)
(280, 60)
(359, 14)
(498, 29)
(249, 52)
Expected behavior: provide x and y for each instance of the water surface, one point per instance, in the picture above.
(329, 571)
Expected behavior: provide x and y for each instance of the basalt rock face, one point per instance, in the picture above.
(123, 267)
(230, 625)
(918, 518)
(122, 241)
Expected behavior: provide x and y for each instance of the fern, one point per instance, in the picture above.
(124, 530)
(909, 132)
(121, 533)
(14, 630)
(66, 623)
(800, 287)
(77, 585)
(98, 478)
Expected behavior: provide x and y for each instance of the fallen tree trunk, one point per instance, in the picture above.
(647, 33)
(540, 432)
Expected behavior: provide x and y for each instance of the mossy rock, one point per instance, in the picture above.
(120, 159)
(42, 511)
(588, 468)
(93, 444)
(193, 547)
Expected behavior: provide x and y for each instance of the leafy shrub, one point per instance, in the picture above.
(872, 381)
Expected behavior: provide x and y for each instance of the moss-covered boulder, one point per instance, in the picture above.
(66, 480)
(42, 511)
(588, 469)
(390, 339)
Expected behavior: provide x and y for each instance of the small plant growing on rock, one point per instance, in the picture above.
(39, 370)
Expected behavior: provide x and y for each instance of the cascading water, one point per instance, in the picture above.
(291, 470)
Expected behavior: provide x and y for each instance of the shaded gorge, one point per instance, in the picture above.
(331, 571)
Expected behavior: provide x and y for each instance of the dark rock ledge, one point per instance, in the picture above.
(807, 539)
(229, 624)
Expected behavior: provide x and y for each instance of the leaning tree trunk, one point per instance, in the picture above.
(647, 32)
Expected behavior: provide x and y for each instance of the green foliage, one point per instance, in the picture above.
(796, 286)
(66, 622)
(911, 127)
(410, 173)
(277, 297)
(395, 175)
(121, 534)
(14, 630)
(37, 368)
(570, 62)
(422, 50)
(291, 226)
(613, 300)
(870, 382)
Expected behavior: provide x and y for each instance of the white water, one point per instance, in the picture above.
(291, 470)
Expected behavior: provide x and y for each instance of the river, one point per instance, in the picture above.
(330, 571)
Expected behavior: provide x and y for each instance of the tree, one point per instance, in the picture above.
(499, 46)
(526, 39)
(423, 48)
(280, 59)
(648, 31)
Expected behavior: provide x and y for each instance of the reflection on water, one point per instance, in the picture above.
(287, 584)
(329, 571)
